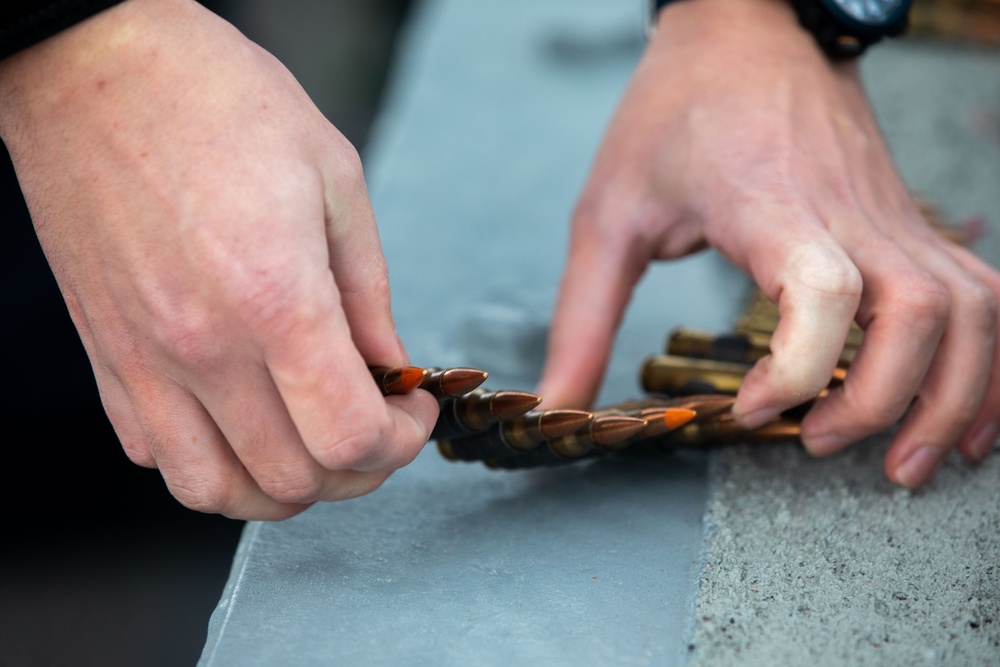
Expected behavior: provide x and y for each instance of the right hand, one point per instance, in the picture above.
(212, 236)
(738, 133)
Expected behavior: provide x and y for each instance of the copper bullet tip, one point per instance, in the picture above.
(664, 420)
(399, 379)
(558, 423)
(453, 382)
(613, 429)
(677, 417)
(510, 404)
(708, 406)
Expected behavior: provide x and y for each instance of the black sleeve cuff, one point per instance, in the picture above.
(24, 23)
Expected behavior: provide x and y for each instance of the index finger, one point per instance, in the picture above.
(817, 289)
(343, 419)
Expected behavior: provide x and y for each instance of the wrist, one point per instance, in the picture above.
(770, 24)
(52, 75)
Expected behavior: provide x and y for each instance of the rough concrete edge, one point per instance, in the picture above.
(708, 530)
(227, 601)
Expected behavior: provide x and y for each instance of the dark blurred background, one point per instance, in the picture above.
(101, 565)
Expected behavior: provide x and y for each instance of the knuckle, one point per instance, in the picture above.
(349, 166)
(275, 303)
(873, 416)
(606, 225)
(290, 486)
(922, 298)
(820, 269)
(352, 447)
(190, 339)
(207, 493)
(137, 451)
(984, 304)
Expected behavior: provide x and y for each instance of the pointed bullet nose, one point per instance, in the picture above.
(510, 404)
(614, 429)
(557, 423)
(458, 381)
(677, 417)
(663, 420)
(709, 406)
(397, 379)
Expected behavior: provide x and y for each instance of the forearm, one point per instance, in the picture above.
(58, 77)
(24, 23)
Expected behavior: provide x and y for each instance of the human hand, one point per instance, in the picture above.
(212, 236)
(737, 133)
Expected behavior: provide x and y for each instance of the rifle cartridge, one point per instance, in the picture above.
(766, 323)
(685, 376)
(727, 430)
(745, 347)
(740, 347)
(532, 429)
(671, 375)
(443, 383)
(397, 380)
(706, 406)
(663, 420)
(606, 432)
(479, 409)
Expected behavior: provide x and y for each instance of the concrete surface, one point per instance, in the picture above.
(768, 558)
(473, 168)
(823, 562)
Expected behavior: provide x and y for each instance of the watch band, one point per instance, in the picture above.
(654, 7)
(843, 39)
(838, 39)
(24, 23)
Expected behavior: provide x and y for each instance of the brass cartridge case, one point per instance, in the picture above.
(739, 347)
(678, 376)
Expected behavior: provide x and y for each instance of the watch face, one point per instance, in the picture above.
(870, 12)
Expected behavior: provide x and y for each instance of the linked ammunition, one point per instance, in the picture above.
(479, 409)
(660, 415)
(705, 406)
(514, 436)
(601, 436)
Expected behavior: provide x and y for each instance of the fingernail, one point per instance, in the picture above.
(984, 440)
(919, 467)
(824, 445)
(757, 418)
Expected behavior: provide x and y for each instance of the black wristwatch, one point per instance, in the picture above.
(843, 28)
